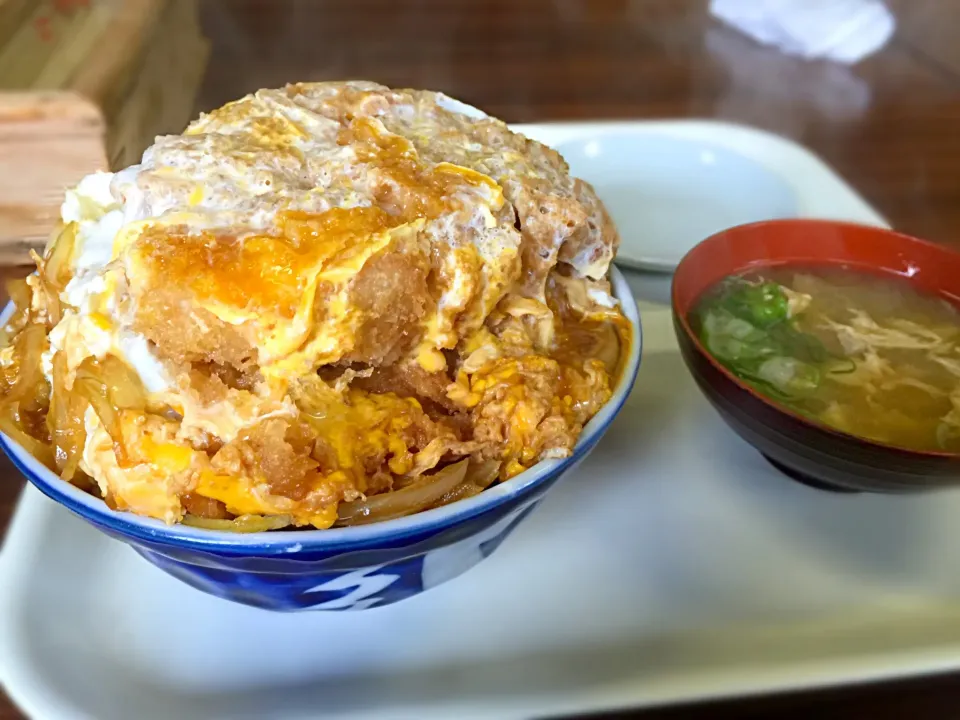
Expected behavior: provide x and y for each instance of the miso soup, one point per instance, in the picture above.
(868, 355)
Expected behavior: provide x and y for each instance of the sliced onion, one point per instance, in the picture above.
(30, 344)
(65, 421)
(480, 476)
(608, 347)
(483, 473)
(56, 265)
(29, 390)
(93, 393)
(19, 292)
(10, 425)
(110, 386)
(417, 496)
(122, 384)
(68, 463)
(241, 523)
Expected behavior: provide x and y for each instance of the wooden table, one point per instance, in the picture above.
(890, 125)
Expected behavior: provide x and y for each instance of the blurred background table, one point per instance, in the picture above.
(890, 125)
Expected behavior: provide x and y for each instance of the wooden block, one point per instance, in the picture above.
(85, 85)
(46, 140)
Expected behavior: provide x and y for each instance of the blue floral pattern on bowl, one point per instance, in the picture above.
(344, 568)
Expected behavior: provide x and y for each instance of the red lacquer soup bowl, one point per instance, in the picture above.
(804, 449)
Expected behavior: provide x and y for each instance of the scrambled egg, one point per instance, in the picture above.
(321, 289)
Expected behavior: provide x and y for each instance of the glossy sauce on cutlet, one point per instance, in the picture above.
(422, 192)
(263, 272)
(271, 272)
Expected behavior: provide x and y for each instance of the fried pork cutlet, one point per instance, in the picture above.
(313, 294)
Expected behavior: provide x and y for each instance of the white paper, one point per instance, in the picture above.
(845, 31)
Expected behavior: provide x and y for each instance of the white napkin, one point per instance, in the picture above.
(842, 30)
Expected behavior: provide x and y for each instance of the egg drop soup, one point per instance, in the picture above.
(868, 355)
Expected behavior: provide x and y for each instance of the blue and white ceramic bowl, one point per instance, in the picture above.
(344, 568)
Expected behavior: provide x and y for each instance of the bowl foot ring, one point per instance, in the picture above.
(805, 479)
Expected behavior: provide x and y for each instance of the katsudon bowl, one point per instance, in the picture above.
(323, 349)
(799, 444)
(350, 568)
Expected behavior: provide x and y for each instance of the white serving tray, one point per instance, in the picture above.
(675, 564)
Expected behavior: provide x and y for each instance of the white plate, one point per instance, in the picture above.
(666, 194)
(670, 184)
(674, 565)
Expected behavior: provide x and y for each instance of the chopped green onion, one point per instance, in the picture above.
(746, 326)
